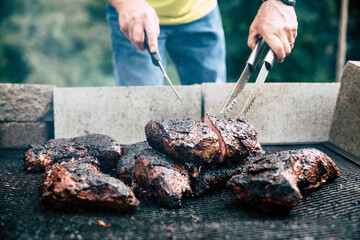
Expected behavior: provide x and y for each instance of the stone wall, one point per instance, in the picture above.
(345, 130)
(282, 113)
(26, 115)
(121, 112)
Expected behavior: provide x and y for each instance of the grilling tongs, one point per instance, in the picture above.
(156, 60)
(251, 63)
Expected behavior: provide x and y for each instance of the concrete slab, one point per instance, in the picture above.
(345, 130)
(21, 134)
(120, 112)
(282, 112)
(26, 102)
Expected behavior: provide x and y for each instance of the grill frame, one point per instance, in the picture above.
(331, 212)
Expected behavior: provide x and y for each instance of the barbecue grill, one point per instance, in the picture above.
(285, 120)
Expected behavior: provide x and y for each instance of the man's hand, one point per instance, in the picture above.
(135, 16)
(276, 22)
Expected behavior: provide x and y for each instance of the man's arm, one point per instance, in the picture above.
(276, 22)
(135, 16)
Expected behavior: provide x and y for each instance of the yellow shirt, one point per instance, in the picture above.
(181, 11)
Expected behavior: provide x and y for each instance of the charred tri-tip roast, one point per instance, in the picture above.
(103, 147)
(275, 181)
(210, 143)
(78, 184)
(237, 137)
(161, 179)
(183, 140)
(126, 162)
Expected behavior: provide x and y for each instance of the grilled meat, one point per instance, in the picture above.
(208, 180)
(275, 181)
(126, 162)
(161, 179)
(103, 147)
(268, 187)
(217, 143)
(184, 140)
(313, 168)
(79, 184)
(237, 137)
(217, 140)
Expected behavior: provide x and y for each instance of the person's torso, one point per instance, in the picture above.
(181, 11)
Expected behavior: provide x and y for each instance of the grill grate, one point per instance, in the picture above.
(333, 211)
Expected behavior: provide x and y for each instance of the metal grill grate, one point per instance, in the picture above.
(333, 211)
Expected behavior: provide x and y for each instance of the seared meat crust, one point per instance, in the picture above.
(237, 137)
(102, 147)
(161, 179)
(208, 180)
(126, 162)
(275, 181)
(184, 140)
(79, 184)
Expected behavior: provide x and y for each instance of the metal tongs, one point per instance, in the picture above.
(156, 60)
(251, 64)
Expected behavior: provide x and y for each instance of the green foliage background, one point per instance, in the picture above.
(66, 43)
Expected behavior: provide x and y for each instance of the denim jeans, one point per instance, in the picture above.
(196, 48)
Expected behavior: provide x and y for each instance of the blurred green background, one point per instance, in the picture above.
(66, 43)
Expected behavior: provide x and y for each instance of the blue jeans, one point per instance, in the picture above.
(196, 48)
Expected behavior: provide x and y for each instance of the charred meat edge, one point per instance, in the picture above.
(126, 162)
(238, 144)
(103, 147)
(79, 184)
(309, 168)
(159, 178)
(178, 141)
